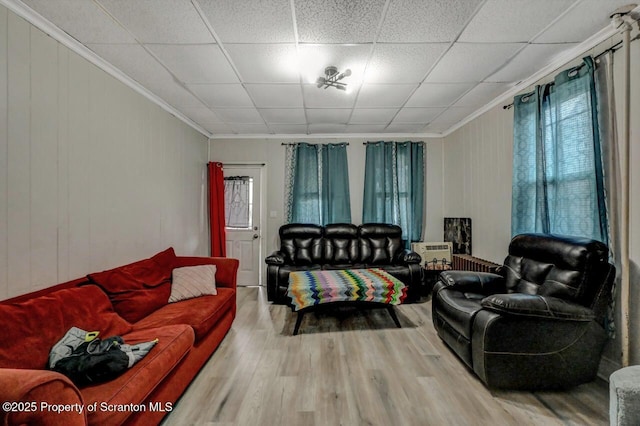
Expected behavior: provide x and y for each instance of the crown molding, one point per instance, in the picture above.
(74, 45)
(376, 136)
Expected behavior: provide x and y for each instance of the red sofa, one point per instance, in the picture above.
(189, 332)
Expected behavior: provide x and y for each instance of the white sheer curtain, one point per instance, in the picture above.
(610, 163)
(237, 202)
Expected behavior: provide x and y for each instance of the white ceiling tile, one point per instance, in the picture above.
(353, 21)
(299, 129)
(581, 22)
(174, 93)
(249, 128)
(138, 64)
(372, 115)
(82, 19)
(275, 95)
(384, 95)
(133, 60)
(402, 63)
(239, 115)
(313, 59)
(202, 116)
(222, 95)
(404, 128)
(160, 21)
(512, 21)
(327, 128)
(426, 21)
(437, 95)
(265, 63)
(195, 63)
(365, 128)
(328, 115)
(219, 128)
(528, 61)
(482, 94)
(283, 116)
(451, 116)
(327, 98)
(417, 115)
(259, 39)
(470, 62)
(250, 21)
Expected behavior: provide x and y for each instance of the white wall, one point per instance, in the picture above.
(477, 182)
(92, 175)
(272, 153)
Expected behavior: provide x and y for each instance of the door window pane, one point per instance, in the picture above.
(238, 202)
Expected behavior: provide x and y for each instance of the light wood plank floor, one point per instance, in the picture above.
(357, 368)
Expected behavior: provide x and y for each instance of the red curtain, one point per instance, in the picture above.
(216, 210)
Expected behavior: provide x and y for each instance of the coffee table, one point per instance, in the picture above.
(360, 287)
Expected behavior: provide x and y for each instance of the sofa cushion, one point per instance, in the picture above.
(193, 281)
(135, 385)
(301, 244)
(379, 243)
(341, 244)
(558, 266)
(201, 313)
(139, 288)
(31, 328)
(134, 305)
(147, 273)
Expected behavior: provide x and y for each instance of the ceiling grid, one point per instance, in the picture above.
(247, 68)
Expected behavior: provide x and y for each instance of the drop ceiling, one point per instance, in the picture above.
(247, 67)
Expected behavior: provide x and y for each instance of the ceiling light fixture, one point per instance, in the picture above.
(332, 78)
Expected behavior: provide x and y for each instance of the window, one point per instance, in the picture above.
(317, 184)
(238, 203)
(557, 174)
(394, 186)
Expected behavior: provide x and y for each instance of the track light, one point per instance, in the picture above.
(332, 78)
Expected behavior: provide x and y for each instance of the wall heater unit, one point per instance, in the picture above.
(437, 251)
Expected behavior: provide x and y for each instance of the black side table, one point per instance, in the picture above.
(431, 271)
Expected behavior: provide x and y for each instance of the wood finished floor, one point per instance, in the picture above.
(357, 368)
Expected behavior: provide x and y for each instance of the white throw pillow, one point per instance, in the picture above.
(193, 281)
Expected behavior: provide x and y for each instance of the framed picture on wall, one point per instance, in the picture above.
(457, 230)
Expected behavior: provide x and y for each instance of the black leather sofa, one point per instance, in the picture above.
(341, 246)
(537, 324)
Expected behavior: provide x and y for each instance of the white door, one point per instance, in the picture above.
(242, 189)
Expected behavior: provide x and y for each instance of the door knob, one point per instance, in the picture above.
(256, 236)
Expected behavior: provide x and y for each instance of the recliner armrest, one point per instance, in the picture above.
(532, 305)
(276, 258)
(407, 256)
(474, 282)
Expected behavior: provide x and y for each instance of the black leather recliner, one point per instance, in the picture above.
(537, 324)
(341, 246)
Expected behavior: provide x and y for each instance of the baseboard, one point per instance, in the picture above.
(607, 366)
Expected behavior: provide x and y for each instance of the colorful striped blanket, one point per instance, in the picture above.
(308, 288)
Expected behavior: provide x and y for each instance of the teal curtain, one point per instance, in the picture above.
(317, 184)
(335, 201)
(558, 183)
(394, 186)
